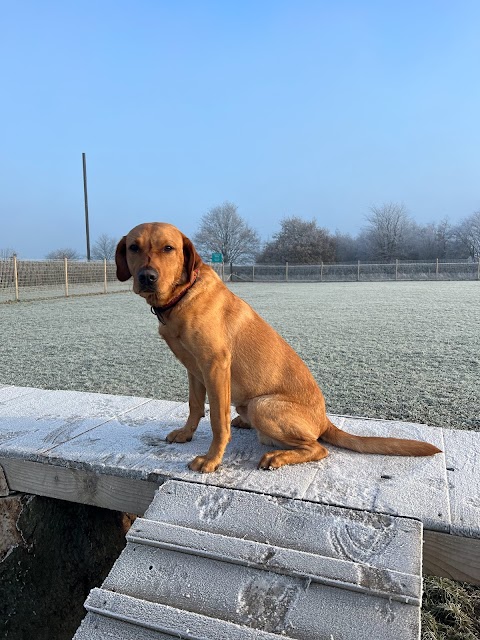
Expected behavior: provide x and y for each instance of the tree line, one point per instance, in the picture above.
(389, 233)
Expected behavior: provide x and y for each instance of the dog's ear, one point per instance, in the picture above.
(123, 272)
(192, 260)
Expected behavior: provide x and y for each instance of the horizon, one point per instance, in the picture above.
(316, 110)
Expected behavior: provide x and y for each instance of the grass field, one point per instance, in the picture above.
(389, 350)
(403, 350)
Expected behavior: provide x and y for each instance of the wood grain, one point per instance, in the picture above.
(75, 485)
(452, 557)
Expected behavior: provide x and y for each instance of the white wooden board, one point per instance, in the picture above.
(462, 450)
(33, 423)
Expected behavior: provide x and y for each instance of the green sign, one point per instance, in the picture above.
(217, 257)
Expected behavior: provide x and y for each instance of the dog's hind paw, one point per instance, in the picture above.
(239, 423)
(272, 460)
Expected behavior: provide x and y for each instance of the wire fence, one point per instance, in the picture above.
(40, 279)
(37, 279)
(352, 272)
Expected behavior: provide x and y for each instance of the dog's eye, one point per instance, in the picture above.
(134, 247)
(168, 248)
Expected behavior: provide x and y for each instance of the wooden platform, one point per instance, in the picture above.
(110, 451)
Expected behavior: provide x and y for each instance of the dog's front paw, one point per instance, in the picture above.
(204, 464)
(180, 435)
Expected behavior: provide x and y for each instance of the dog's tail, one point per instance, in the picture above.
(368, 444)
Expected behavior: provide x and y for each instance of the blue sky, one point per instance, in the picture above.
(316, 109)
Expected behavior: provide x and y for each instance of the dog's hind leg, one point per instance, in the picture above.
(290, 425)
(305, 453)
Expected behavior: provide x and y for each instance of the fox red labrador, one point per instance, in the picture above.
(234, 356)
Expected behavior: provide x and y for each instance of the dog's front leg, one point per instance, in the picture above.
(217, 382)
(196, 403)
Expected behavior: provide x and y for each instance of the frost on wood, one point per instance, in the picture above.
(266, 601)
(256, 566)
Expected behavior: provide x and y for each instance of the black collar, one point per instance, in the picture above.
(159, 311)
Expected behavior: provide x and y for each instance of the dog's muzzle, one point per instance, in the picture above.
(147, 279)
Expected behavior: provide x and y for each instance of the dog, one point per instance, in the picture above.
(232, 355)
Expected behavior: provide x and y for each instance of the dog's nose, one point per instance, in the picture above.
(147, 277)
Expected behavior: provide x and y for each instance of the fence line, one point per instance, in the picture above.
(35, 279)
(352, 272)
(38, 279)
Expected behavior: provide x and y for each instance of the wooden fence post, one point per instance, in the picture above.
(253, 273)
(66, 276)
(358, 271)
(321, 271)
(15, 277)
(104, 275)
(286, 272)
(436, 270)
(396, 269)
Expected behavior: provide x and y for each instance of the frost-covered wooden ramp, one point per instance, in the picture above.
(110, 451)
(208, 562)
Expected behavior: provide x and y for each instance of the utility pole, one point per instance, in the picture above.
(84, 160)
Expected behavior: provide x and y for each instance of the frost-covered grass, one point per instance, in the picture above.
(451, 610)
(403, 350)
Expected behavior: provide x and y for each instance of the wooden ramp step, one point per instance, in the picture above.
(213, 563)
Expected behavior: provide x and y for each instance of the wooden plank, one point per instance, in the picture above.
(126, 440)
(36, 422)
(337, 572)
(462, 453)
(77, 485)
(8, 393)
(135, 443)
(451, 556)
(167, 621)
(100, 627)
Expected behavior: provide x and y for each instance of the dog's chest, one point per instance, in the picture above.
(180, 351)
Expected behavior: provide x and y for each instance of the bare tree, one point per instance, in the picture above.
(104, 247)
(299, 242)
(428, 241)
(468, 235)
(223, 230)
(443, 238)
(387, 230)
(60, 254)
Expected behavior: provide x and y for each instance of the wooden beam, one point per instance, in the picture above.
(75, 485)
(452, 557)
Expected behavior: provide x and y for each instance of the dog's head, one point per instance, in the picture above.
(160, 259)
